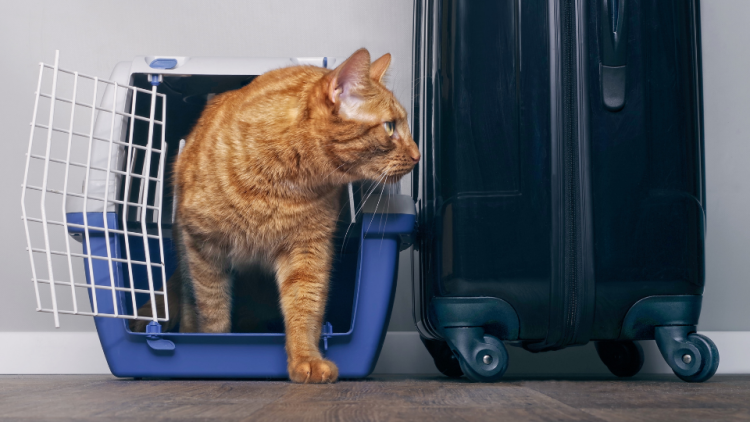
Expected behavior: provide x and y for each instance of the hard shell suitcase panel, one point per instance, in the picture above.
(486, 181)
(492, 180)
(561, 195)
(646, 159)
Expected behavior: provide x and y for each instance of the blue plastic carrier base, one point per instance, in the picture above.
(245, 355)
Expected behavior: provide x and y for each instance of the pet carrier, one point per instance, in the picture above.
(98, 154)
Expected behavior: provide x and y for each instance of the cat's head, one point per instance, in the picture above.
(370, 137)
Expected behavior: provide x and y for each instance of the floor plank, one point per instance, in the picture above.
(391, 398)
(659, 392)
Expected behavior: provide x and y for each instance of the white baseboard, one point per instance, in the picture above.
(403, 353)
(51, 353)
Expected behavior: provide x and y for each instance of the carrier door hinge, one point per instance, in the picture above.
(326, 333)
(155, 79)
(155, 340)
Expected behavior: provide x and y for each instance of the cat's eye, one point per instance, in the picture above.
(389, 127)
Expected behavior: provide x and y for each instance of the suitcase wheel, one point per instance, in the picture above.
(482, 357)
(445, 361)
(693, 357)
(709, 354)
(623, 358)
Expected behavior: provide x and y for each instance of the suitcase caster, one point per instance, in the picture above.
(445, 361)
(623, 358)
(693, 357)
(481, 357)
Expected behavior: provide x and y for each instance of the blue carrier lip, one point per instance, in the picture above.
(253, 355)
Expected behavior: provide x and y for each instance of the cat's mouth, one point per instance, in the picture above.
(394, 176)
(388, 178)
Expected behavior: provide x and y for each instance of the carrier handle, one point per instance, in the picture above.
(614, 51)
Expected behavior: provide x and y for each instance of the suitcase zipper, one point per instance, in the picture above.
(571, 173)
(567, 293)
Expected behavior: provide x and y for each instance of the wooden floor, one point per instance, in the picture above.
(105, 398)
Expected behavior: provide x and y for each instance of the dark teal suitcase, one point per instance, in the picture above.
(561, 196)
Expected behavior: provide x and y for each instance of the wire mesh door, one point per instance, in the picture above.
(95, 173)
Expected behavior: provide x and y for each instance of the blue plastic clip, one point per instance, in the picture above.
(154, 340)
(326, 334)
(163, 64)
(160, 64)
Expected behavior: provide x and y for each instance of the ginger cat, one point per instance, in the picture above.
(259, 181)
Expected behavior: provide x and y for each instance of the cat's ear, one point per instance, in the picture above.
(379, 67)
(351, 75)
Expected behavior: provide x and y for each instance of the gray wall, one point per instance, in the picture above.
(726, 89)
(92, 36)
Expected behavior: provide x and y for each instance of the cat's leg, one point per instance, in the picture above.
(189, 316)
(212, 293)
(303, 275)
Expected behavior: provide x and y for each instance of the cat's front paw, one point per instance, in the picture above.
(313, 371)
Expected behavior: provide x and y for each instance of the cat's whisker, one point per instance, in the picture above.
(376, 210)
(346, 203)
(380, 222)
(341, 176)
(357, 213)
(369, 193)
(383, 177)
(382, 239)
(333, 171)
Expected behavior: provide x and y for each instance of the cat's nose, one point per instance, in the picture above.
(415, 156)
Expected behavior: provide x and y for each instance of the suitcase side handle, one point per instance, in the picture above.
(613, 35)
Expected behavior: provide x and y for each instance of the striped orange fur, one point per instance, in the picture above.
(259, 181)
